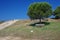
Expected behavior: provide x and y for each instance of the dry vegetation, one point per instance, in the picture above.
(20, 31)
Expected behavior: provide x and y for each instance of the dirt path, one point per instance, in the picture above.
(10, 38)
(15, 38)
(7, 23)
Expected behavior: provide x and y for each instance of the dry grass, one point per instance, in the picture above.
(19, 31)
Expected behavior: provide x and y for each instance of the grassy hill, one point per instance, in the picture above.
(20, 29)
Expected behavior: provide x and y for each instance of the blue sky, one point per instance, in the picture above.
(17, 9)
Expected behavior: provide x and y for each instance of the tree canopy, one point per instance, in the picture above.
(57, 12)
(39, 10)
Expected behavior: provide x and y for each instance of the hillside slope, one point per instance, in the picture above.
(21, 31)
(7, 23)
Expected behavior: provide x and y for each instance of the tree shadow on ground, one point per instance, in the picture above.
(45, 23)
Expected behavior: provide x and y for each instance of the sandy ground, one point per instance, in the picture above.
(16, 38)
(10, 38)
(7, 23)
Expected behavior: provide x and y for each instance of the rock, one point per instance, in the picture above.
(40, 25)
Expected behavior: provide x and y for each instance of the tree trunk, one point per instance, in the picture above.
(40, 20)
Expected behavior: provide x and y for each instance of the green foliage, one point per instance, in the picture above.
(57, 12)
(39, 10)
